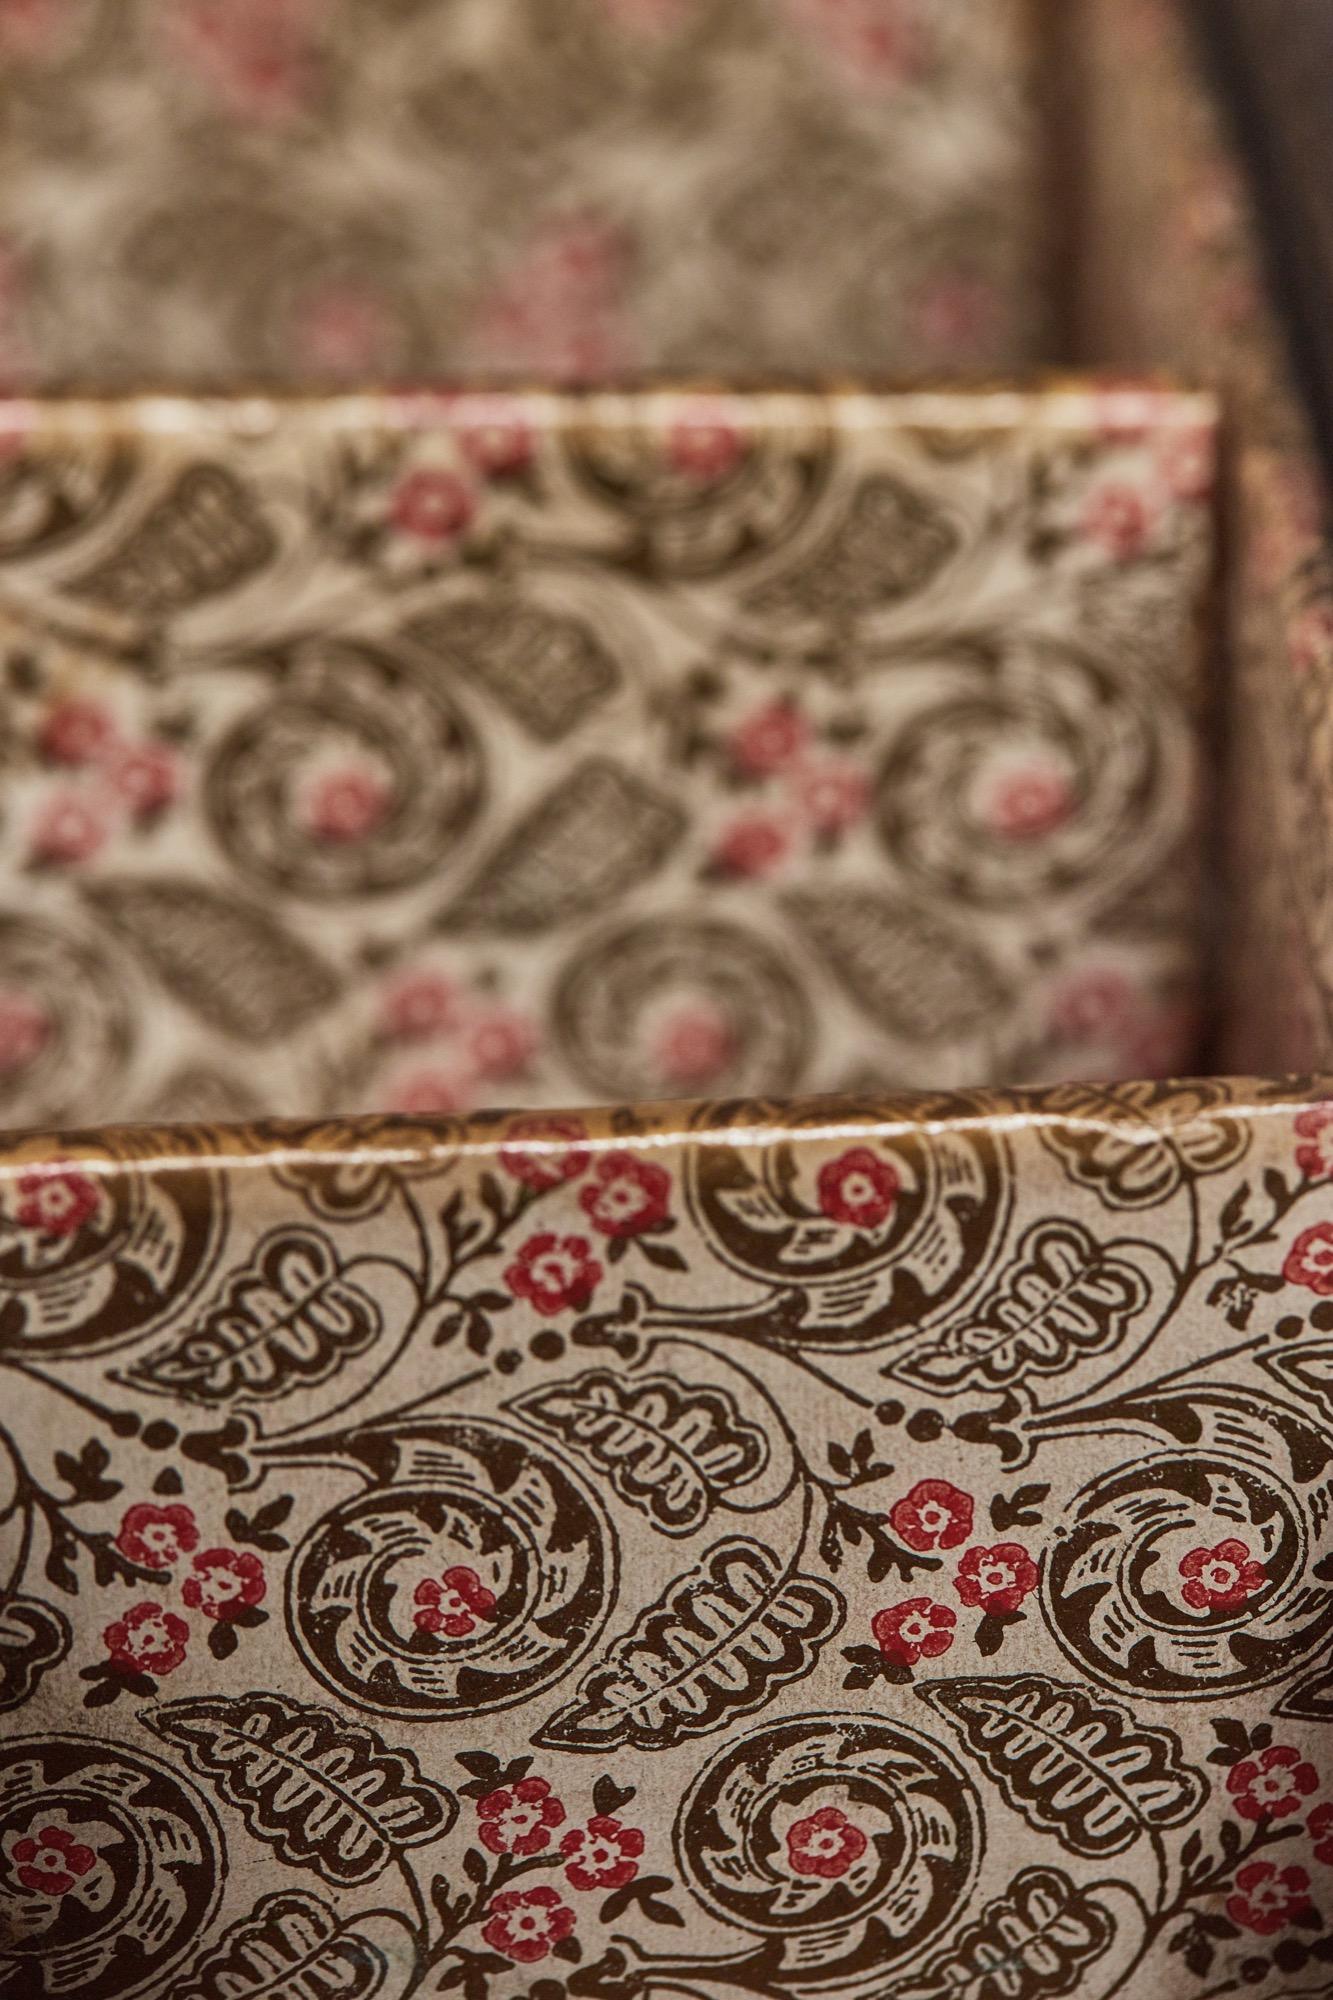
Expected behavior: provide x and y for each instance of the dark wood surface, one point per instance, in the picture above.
(1272, 63)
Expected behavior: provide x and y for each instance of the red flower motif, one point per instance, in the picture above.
(419, 1005)
(914, 1630)
(433, 507)
(427, 1094)
(146, 778)
(518, 1819)
(1187, 462)
(50, 1861)
(1320, 1828)
(502, 1046)
(57, 1200)
(453, 1605)
(602, 1855)
(225, 1583)
(25, 1030)
(346, 805)
(147, 1640)
(704, 445)
(1221, 1579)
(1309, 1261)
(1315, 1127)
(695, 1046)
(342, 330)
(1094, 1004)
(826, 1844)
(1268, 1898)
(752, 846)
(629, 1197)
(1273, 1787)
(495, 436)
(997, 1579)
(934, 1515)
(75, 733)
(770, 739)
(523, 1924)
(858, 1188)
(554, 1274)
(156, 1537)
(544, 1152)
(1026, 804)
(1116, 517)
(66, 831)
(833, 797)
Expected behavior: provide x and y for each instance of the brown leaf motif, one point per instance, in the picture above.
(669, 1451)
(1066, 1296)
(901, 966)
(722, 1640)
(1136, 1144)
(1085, 1770)
(324, 1794)
(1031, 1944)
(291, 1947)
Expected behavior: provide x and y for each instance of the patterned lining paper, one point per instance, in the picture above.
(195, 192)
(410, 754)
(731, 1552)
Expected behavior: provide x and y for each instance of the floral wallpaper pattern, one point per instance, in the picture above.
(419, 753)
(205, 192)
(874, 1549)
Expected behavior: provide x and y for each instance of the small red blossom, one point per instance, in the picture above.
(704, 445)
(770, 739)
(956, 313)
(917, 1629)
(518, 1819)
(1221, 1579)
(502, 1046)
(996, 1579)
(418, 1005)
(751, 846)
(75, 733)
(1320, 1829)
(50, 1862)
(858, 1188)
(146, 778)
(494, 435)
(523, 1924)
(542, 1153)
(603, 1855)
(57, 1200)
(428, 1094)
(1314, 1127)
(435, 507)
(1118, 520)
(1094, 1004)
(695, 1046)
(833, 796)
(225, 1583)
(342, 331)
(626, 1195)
(25, 1030)
(1309, 1261)
(1187, 462)
(1273, 1786)
(147, 1640)
(825, 1844)
(1267, 1898)
(66, 830)
(452, 1606)
(555, 1274)
(1027, 804)
(934, 1515)
(346, 805)
(156, 1537)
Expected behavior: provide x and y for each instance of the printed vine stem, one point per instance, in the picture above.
(33, 1501)
(431, 1955)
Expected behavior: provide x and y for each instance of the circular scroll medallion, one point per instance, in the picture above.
(66, 1033)
(476, 1573)
(884, 1230)
(110, 1870)
(616, 1002)
(355, 779)
(98, 1249)
(819, 1823)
